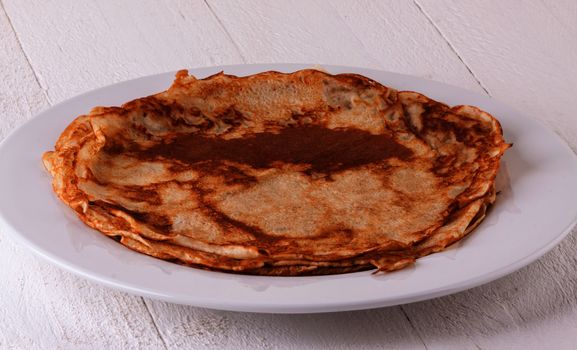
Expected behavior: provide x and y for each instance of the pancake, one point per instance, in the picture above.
(281, 174)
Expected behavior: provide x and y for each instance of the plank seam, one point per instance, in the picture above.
(413, 326)
(154, 323)
(223, 27)
(430, 20)
(44, 90)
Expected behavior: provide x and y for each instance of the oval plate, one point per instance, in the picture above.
(534, 211)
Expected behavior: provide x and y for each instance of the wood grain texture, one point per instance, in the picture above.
(563, 11)
(76, 46)
(188, 327)
(513, 49)
(522, 51)
(20, 94)
(390, 35)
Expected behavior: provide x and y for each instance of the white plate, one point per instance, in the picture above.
(534, 211)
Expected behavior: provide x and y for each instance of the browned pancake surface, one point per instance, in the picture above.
(281, 174)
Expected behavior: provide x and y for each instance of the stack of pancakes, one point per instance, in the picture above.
(281, 174)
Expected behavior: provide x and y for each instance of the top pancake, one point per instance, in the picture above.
(280, 173)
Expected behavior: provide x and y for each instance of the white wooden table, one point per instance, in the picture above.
(520, 52)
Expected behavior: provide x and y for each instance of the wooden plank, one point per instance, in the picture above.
(563, 11)
(386, 35)
(20, 95)
(77, 46)
(188, 327)
(402, 40)
(520, 50)
(43, 307)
